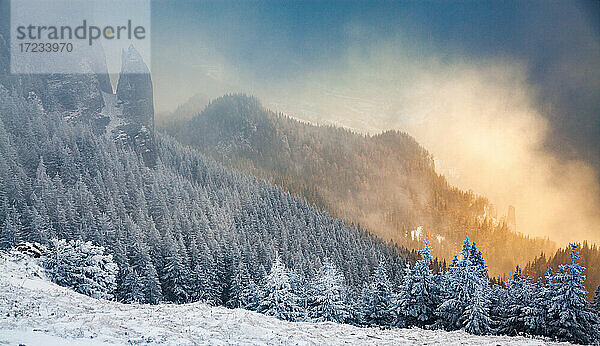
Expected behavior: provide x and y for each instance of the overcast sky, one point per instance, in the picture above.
(246, 44)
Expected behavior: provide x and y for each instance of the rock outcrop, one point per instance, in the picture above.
(135, 98)
(128, 116)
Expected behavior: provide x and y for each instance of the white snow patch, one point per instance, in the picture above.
(416, 234)
(113, 112)
(35, 311)
(489, 214)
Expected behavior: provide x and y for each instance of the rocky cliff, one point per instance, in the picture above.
(88, 97)
(135, 98)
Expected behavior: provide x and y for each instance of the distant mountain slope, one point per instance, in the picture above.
(184, 225)
(38, 312)
(386, 182)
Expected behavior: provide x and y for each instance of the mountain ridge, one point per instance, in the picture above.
(386, 182)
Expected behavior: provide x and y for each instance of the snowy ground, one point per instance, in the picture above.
(34, 311)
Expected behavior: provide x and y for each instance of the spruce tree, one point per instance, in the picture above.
(204, 279)
(497, 310)
(151, 285)
(239, 285)
(476, 318)
(377, 299)
(327, 297)
(83, 267)
(466, 293)
(130, 289)
(10, 233)
(570, 318)
(596, 302)
(173, 274)
(419, 293)
(142, 264)
(535, 313)
(278, 297)
(518, 296)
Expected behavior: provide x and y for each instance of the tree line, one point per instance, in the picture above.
(459, 298)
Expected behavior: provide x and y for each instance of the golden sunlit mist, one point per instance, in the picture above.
(479, 118)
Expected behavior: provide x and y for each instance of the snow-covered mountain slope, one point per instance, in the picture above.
(34, 311)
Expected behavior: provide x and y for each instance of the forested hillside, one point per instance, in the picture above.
(385, 182)
(178, 231)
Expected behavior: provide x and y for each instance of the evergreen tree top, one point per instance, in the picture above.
(426, 251)
(575, 256)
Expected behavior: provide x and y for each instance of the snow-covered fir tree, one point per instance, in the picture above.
(568, 312)
(130, 288)
(515, 304)
(239, 294)
(466, 293)
(10, 233)
(596, 301)
(142, 265)
(251, 296)
(377, 300)
(328, 296)
(476, 319)
(151, 285)
(497, 311)
(535, 312)
(83, 267)
(278, 296)
(174, 274)
(419, 294)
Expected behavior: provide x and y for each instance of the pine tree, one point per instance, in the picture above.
(10, 233)
(377, 299)
(83, 267)
(279, 299)
(516, 301)
(327, 296)
(419, 293)
(570, 318)
(466, 287)
(596, 302)
(130, 290)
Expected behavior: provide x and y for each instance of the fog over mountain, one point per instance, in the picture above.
(385, 182)
(508, 104)
(239, 208)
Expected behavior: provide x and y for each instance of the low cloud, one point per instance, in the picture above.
(480, 117)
